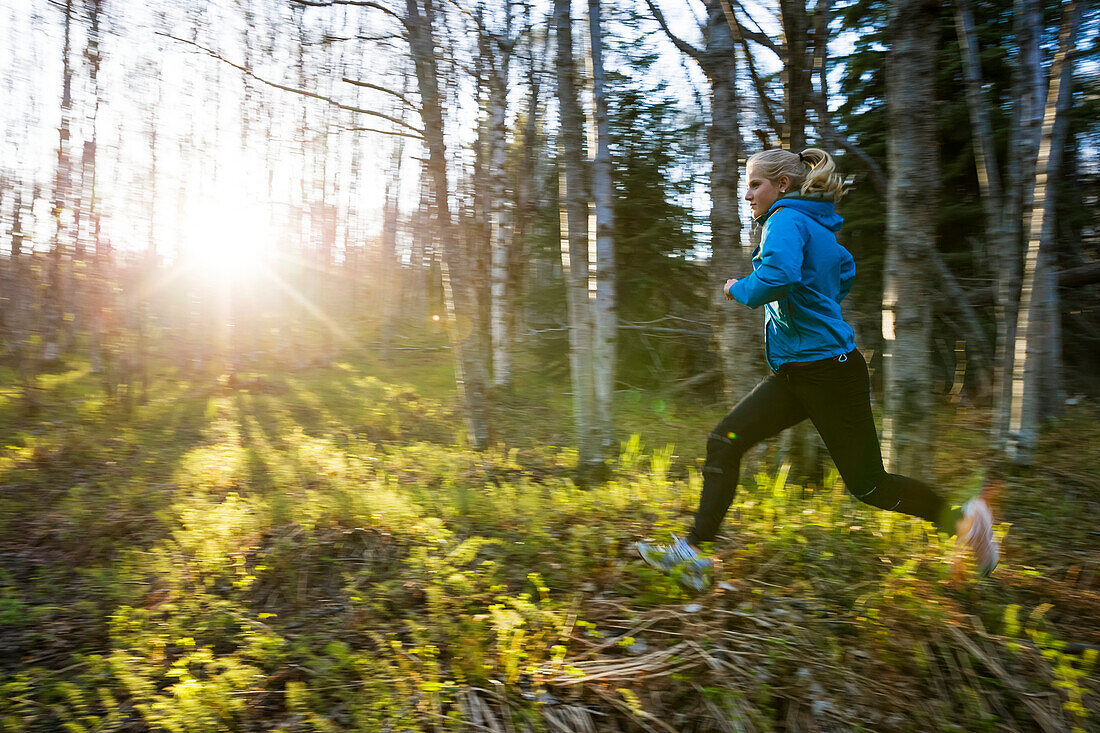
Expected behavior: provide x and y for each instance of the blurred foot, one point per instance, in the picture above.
(681, 560)
(976, 530)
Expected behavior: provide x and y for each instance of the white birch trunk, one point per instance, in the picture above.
(574, 243)
(1038, 304)
(739, 330)
(58, 290)
(603, 196)
(525, 188)
(1027, 128)
(911, 230)
(498, 68)
(470, 372)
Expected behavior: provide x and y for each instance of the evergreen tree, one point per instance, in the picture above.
(652, 146)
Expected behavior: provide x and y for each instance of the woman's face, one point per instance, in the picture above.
(761, 192)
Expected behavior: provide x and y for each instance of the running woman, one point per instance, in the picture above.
(800, 275)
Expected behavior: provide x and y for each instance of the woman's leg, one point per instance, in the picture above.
(771, 407)
(838, 398)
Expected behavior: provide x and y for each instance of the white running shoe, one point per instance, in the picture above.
(976, 530)
(679, 558)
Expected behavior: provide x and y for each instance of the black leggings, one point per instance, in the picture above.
(836, 395)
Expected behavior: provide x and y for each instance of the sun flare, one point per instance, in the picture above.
(230, 240)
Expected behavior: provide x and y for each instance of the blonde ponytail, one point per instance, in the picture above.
(822, 177)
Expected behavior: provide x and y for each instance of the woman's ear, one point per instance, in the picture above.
(784, 184)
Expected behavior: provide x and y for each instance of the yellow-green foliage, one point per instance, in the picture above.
(320, 554)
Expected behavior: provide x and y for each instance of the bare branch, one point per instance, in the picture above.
(757, 36)
(356, 3)
(304, 92)
(684, 46)
(339, 39)
(829, 132)
(762, 39)
(757, 83)
(368, 85)
(1077, 276)
(395, 133)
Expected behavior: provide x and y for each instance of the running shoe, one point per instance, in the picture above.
(681, 561)
(976, 530)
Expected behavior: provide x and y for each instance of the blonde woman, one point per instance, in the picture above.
(800, 276)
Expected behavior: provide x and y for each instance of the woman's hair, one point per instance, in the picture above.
(821, 176)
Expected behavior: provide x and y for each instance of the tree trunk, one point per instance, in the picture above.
(1034, 360)
(97, 306)
(58, 290)
(525, 188)
(1027, 128)
(149, 266)
(796, 72)
(739, 330)
(461, 304)
(911, 231)
(603, 196)
(989, 177)
(800, 446)
(20, 289)
(390, 267)
(574, 243)
(498, 68)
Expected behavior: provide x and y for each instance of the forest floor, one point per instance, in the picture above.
(312, 550)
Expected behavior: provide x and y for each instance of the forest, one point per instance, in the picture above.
(348, 348)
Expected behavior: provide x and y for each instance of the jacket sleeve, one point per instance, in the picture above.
(847, 276)
(780, 263)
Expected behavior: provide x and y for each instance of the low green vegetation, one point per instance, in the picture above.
(314, 551)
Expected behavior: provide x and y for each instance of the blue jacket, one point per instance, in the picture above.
(800, 274)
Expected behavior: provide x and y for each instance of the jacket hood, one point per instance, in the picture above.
(817, 207)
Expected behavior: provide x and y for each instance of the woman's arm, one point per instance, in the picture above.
(780, 262)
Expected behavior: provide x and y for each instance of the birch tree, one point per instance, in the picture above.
(469, 364)
(62, 206)
(800, 449)
(501, 46)
(573, 196)
(1036, 328)
(96, 305)
(530, 156)
(738, 331)
(911, 229)
(601, 231)
(20, 302)
(1003, 204)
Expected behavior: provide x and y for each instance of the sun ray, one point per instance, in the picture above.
(310, 307)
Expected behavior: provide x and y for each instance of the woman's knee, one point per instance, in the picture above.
(725, 448)
(869, 489)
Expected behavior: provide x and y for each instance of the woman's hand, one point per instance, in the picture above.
(727, 286)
